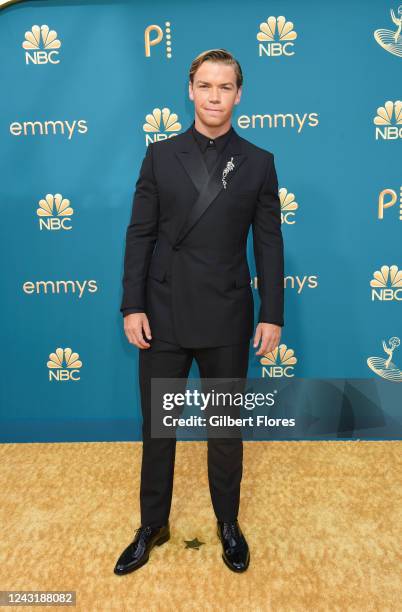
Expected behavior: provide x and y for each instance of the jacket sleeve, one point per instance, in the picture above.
(127, 311)
(141, 237)
(268, 249)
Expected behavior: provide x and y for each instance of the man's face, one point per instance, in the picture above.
(214, 92)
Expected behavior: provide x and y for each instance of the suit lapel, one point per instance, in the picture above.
(193, 161)
(208, 186)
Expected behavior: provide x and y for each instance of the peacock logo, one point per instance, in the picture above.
(385, 367)
(276, 36)
(279, 362)
(41, 45)
(386, 284)
(162, 124)
(64, 365)
(391, 40)
(389, 121)
(288, 206)
(54, 213)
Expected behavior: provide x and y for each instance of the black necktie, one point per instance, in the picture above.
(210, 155)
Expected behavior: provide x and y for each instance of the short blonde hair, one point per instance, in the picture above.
(217, 55)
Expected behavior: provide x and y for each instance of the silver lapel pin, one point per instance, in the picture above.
(228, 168)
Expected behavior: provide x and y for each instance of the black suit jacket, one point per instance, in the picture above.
(185, 262)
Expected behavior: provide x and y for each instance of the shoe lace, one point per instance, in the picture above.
(231, 530)
(142, 531)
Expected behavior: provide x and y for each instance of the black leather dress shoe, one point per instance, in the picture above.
(236, 554)
(137, 552)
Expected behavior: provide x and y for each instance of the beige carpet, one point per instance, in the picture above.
(323, 521)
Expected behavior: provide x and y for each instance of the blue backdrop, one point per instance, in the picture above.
(84, 88)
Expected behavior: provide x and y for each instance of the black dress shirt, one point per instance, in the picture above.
(210, 148)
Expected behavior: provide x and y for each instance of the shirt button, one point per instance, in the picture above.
(211, 142)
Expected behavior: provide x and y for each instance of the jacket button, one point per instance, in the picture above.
(176, 247)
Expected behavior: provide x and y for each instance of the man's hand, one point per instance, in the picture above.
(134, 323)
(269, 334)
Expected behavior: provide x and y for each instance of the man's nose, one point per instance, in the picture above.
(214, 96)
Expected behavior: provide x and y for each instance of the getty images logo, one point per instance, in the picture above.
(64, 365)
(276, 36)
(161, 124)
(389, 118)
(278, 363)
(54, 213)
(40, 46)
(288, 206)
(386, 284)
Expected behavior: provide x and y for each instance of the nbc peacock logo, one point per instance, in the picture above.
(288, 206)
(389, 121)
(276, 36)
(54, 213)
(386, 284)
(388, 198)
(279, 362)
(160, 125)
(391, 40)
(64, 365)
(385, 367)
(41, 46)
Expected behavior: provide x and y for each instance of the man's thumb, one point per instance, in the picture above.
(147, 329)
(257, 336)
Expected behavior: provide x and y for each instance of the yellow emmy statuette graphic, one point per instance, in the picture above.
(288, 206)
(385, 367)
(279, 362)
(54, 212)
(276, 36)
(40, 45)
(64, 365)
(391, 40)
(163, 123)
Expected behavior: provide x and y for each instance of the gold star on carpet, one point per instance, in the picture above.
(193, 543)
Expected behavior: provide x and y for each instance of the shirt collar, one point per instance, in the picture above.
(203, 141)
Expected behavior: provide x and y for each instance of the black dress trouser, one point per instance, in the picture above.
(225, 455)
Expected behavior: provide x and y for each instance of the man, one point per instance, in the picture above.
(186, 286)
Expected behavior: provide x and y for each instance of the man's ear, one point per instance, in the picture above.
(190, 91)
(238, 95)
